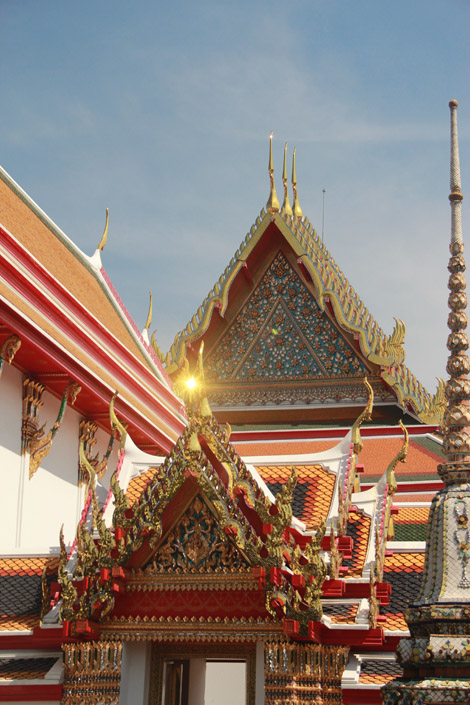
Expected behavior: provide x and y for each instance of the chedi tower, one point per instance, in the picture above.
(436, 657)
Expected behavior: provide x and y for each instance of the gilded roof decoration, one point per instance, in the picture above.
(329, 285)
(229, 501)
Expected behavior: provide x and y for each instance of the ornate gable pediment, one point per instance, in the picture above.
(282, 335)
(196, 545)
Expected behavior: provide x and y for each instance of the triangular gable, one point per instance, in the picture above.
(281, 335)
(196, 545)
(332, 292)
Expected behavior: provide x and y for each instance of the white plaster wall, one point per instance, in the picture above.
(50, 496)
(225, 683)
(10, 450)
(135, 666)
(259, 697)
(33, 510)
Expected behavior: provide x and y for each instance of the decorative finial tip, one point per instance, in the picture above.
(453, 103)
(271, 135)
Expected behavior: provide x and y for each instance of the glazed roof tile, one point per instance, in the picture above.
(19, 623)
(411, 523)
(138, 484)
(375, 455)
(358, 529)
(403, 571)
(312, 494)
(28, 566)
(21, 590)
(25, 668)
(379, 671)
(341, 614)
(415, 515)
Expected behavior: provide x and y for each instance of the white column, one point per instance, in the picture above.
(134, 673)
(259, 691)
(197, 681)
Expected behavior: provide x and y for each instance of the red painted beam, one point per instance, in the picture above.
(305, 434)
(30, 693)
(361, 696)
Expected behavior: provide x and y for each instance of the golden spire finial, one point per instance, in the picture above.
(272, 206)
(286, 206)
(297, 209)
(148, 322)
(105, 234)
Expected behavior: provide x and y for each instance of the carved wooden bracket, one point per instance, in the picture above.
(34, 441)
(8, 350)
(87, 440)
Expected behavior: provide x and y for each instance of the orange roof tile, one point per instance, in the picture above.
(346, 618)
(63, 264)
(378, 678)
(379, 452)
(395, 622)
(415, 515)
(28, 566)
(376, 454)
(313, 492)
(407, 562)
(138, 484)
(22, 622)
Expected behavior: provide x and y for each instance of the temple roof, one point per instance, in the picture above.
(71, 324)
(366, 347)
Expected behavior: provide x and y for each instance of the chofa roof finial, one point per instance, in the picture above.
(286, 206)
(272, 205)
(297, 209)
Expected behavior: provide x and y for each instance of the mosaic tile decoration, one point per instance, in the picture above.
(21, 590)
(138, 484)
(25, 668)
(379, 671)
(358, 529)
(312, 494)
(282, 335)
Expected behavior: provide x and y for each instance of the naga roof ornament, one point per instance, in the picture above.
(104, 237)
(436, 657)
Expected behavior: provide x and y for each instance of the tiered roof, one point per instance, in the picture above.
(332, 293)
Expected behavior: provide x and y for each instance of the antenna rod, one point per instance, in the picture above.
(323, 217)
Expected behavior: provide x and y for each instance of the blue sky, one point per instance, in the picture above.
(162, 111)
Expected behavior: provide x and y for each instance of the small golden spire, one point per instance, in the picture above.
(148, 322)
(298, 213)
(272, 206)
(105, 234)
(286, 206)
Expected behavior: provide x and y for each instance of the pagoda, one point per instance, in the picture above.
(436, 657)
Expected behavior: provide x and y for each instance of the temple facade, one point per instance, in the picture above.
(241, 519)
